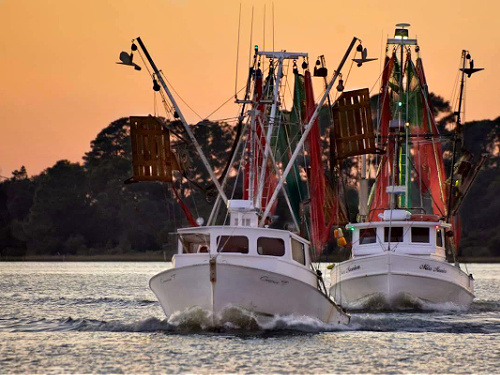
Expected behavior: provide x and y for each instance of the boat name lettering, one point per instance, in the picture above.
(351, 268)
(439, 269)
(426, 267)
(166, 280)
(272, 281)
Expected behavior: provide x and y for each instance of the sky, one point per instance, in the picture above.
(59, 84)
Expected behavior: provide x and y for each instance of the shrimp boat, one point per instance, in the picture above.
(403, 249)
(243, 262)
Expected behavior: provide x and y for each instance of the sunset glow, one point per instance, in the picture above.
(60, 85)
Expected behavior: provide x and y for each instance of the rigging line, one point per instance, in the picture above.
(295, 110)
(238, 173)
(240, 120)
(230, 98)
(378, 79)
(168, 108)
(287, 151)
(273, 26)
(426, 187)
(226, 119)
(227, 101)
(235, 185)
(381, 51)
(377, 124)
(264, 37)
(154, 103)
(194, 203)
(251, 34)
(237, 55)
(144, 62)
(454, 90)
(430, 118)
(463, 118)
(152, 76)
(347, 78)
(215, 211)
(283, 94)
(404, 234)
(180, 97)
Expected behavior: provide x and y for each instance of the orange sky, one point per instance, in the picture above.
(59, 85)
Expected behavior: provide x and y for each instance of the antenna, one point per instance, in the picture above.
(237, 56)
(264, 38)
(251, 34)
(273, 27)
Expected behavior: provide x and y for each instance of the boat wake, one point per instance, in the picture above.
(404, 303)
(196, 320)
(482, 317)
(235, 319)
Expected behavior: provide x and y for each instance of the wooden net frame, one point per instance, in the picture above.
(152, 157)
(352, 132)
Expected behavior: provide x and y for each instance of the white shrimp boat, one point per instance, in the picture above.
(400, 263)
(401, 256)
(261, 270)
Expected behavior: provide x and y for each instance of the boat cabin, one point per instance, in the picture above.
(258, 242)
(402, 233)
(241, 240)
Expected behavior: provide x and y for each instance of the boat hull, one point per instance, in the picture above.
(261, 292)
(399, 281)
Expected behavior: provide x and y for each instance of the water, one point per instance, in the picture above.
(102, 318)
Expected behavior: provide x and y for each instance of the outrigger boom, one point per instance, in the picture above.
(184, 122)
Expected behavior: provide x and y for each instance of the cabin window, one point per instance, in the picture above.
(396, 234)
(439, 238)
(420, 235)
(271, 246)
(298, 252)
(194, 243)
(232, 244)
(368, 235)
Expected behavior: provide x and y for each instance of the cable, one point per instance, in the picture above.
(180, 97)
(237, 54)
(223, 104)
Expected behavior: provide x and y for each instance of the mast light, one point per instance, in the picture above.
(401, 34)
(401, 31)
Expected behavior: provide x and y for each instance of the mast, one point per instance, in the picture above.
(363, 193)
(401, 39)
(280, 56)
(457, 135)
(184, 122)
(307, 129)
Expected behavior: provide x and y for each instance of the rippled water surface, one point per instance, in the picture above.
(102, 318)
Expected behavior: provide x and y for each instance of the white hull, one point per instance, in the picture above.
(259, 291)
(396, 280)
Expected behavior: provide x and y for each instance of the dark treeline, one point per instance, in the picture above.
(73, 208)
(86, 209)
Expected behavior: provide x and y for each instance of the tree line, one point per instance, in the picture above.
(85, 208)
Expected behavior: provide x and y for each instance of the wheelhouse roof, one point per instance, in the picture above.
(241, 230)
